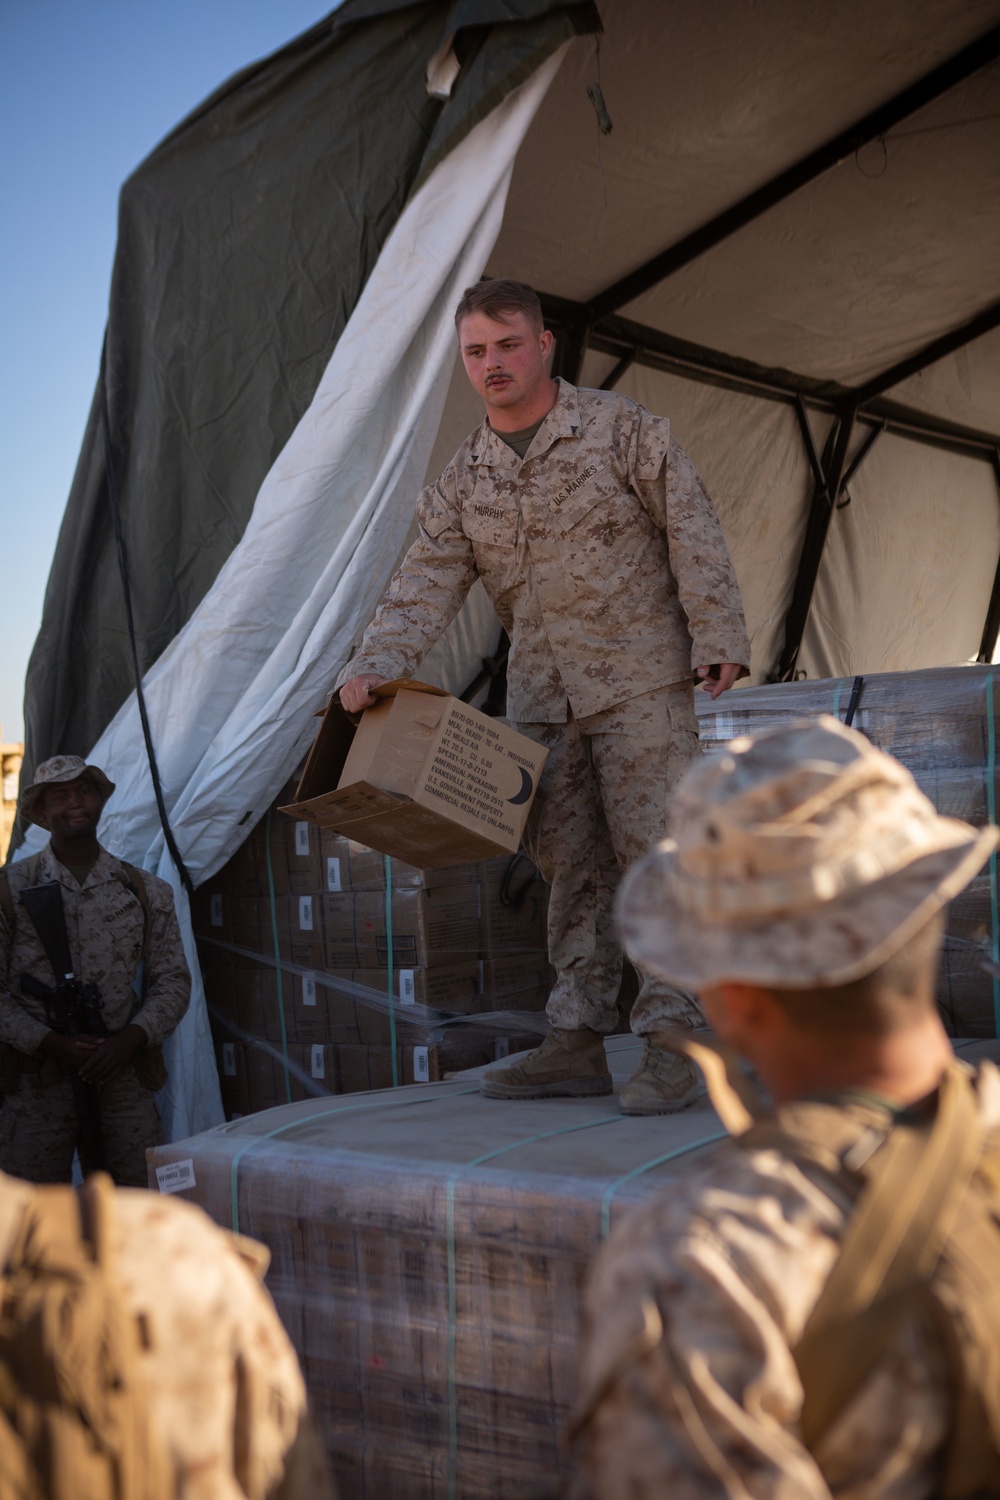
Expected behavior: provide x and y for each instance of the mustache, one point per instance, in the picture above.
(498, 375)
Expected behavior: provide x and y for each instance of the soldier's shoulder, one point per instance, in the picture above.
(738, 1195)
(468, 451)
(611, 412)
(608, 404)
(159, 893)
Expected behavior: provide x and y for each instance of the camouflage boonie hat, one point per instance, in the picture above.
(60, 768)
(801, 857)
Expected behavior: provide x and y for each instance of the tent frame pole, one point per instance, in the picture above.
(646, 346)
(984, 322)
(826, 494)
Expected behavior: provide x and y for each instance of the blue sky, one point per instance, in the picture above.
(89, 88)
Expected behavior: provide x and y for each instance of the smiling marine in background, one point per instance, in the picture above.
(130, 987)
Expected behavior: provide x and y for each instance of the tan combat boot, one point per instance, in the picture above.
(568, 1063)
(663, 1083)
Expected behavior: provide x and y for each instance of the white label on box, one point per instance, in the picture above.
(309, 989)
(176, 1177)
(305, 914)
(318, 1067)
(215, 911)
(229, 1059)
(302, 839)
(406, 990)
(501, 1047)
(333, 873)
(421, 1065)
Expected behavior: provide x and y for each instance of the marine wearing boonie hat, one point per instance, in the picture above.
(60, 768)
(804, 856)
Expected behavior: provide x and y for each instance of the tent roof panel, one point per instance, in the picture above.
(864, 266)
(965, 387)
(748, 96)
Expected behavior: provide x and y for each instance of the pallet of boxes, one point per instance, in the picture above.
(378, 926)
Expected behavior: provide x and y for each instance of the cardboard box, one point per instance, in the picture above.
(306, 876)
(515, 908)
(429, 927)
(516, 981)
(367, 872)
(231, 1061)
(446, 987)
(423, 777)
(335, 862)
(248, 868)
(340, 942)
(306, 924)
(212, 913)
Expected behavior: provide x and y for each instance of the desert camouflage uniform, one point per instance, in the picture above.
(734, 1259)
(226, 1397)
(104, 923)
(606, 564)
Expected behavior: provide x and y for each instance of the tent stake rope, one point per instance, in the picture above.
(154, 770)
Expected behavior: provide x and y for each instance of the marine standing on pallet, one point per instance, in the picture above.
(814, 1311)
(81, 1028)
(605, 561)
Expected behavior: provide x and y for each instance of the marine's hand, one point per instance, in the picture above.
(111, 1054)
(355, 694)
(72, 1051)
(719, 678)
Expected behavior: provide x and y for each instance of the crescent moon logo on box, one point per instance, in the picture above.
(527, 786)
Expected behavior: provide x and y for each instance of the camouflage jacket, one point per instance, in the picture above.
(104, 922)
(600, 551)
(728, 1266)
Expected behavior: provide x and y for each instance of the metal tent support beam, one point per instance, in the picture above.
(938, 348)
(825, 496)
(640, 344)
(621, 368)
(991, 630)
(970, 60)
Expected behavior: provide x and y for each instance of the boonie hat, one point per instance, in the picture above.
(60, 768)
(802, 856)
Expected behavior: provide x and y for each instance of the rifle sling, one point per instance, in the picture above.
(893, 1241)
(44, 906)
(132, 881)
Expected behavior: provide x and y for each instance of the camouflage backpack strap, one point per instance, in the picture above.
(75, 1416)
(923, 1243)
(137, 885)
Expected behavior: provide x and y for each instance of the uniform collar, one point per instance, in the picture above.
(563, 421)
(105, 868)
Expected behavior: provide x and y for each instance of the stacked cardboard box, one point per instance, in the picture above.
(427, 1251)
(942, 725)
(319, 982)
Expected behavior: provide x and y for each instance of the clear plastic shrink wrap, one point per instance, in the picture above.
(941, 724)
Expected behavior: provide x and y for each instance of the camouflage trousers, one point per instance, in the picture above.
(39, 1129)
(601, 803)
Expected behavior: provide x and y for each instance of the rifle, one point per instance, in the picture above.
(73, 1009)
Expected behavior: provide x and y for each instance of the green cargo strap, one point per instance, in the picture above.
(277, 955)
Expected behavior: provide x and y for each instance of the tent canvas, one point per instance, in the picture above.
(786, 244)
